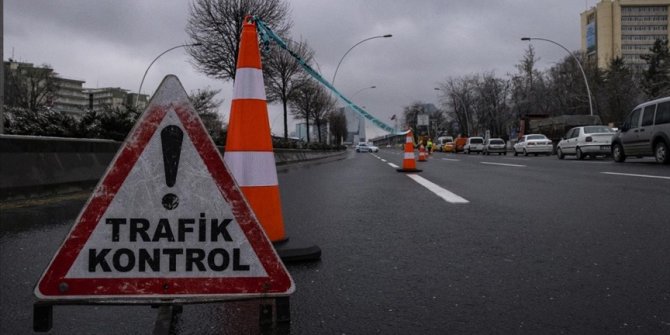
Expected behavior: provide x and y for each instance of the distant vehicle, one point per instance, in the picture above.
(533, 144)
(494, 145)
(645, 132)
(441, 141)
(459, 143)
(473, 144)
(373, 148)
(586, 141)
(363, 147)
(449, 147)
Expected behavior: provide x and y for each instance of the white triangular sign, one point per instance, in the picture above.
(166, 221)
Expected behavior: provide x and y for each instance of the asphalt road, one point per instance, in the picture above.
(530, 245)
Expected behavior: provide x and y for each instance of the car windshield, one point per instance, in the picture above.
(537, 137)
(497, 142)
(476, 140)
(597, 129)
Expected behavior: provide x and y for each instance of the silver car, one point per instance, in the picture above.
(494, 145)
(586, 141)
(645, 132)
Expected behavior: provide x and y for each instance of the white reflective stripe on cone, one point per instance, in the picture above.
(408, 139)
(249, 84)
(252, 168)
(409, 155)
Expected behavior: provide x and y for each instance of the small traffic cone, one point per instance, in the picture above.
(248, 152)
(408, 162)
(422, 154)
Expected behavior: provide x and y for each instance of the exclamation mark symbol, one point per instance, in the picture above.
(171, 138)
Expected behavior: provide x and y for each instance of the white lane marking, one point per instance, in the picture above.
(451, 159)
(439, 191)
(393, 165)
(636, 175)
(503, 164)
(383, 160)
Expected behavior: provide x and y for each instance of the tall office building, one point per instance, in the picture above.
(623, 28)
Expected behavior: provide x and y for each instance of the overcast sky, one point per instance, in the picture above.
(110, 43)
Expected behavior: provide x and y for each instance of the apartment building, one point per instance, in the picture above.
(623, 28)
(44, 87)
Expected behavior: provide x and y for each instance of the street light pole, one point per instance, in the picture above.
(139, 91)
(588, 90)
(355, 45)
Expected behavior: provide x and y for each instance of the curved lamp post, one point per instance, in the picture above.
(588, 90)
(139, 91)
(355, 45)
(362, 89)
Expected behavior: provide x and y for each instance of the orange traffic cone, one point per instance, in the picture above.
(248, 153)
(248, 150)
(408, 162)
(422, 154)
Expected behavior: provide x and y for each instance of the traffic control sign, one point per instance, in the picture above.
(166, 221)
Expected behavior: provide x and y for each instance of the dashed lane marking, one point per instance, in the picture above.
(438, 190)
(503, 164)
(636, 175)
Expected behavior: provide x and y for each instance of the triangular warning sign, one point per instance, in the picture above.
(166, 221)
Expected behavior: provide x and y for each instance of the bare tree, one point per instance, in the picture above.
(457, 99)
(338, 125)
(284, 75)
(207, 106)
(528, 86)
(311, 101)
(217, 25)
(29, 87)
(493, 112)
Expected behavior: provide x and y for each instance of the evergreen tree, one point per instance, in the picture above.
(621, 91)
(656, 79)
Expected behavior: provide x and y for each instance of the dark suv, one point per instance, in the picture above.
(645, 132)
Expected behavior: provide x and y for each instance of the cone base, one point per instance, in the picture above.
(408, 170)
(294, 250)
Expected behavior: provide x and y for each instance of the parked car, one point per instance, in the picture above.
(473, 144)
(494, 145)
(533, 144)
(441, 142)
(362, 147)
(459, 143)
(645, 132)
(373, 148)
(449, 147)
(586, 141)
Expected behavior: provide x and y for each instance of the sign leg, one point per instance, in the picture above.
(42, 317)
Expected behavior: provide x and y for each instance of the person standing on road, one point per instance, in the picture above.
(429, 146)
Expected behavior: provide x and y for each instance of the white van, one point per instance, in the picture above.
(644, 132)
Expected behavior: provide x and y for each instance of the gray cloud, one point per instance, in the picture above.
(110, 43)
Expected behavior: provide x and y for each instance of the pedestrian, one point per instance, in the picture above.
(429, 146)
